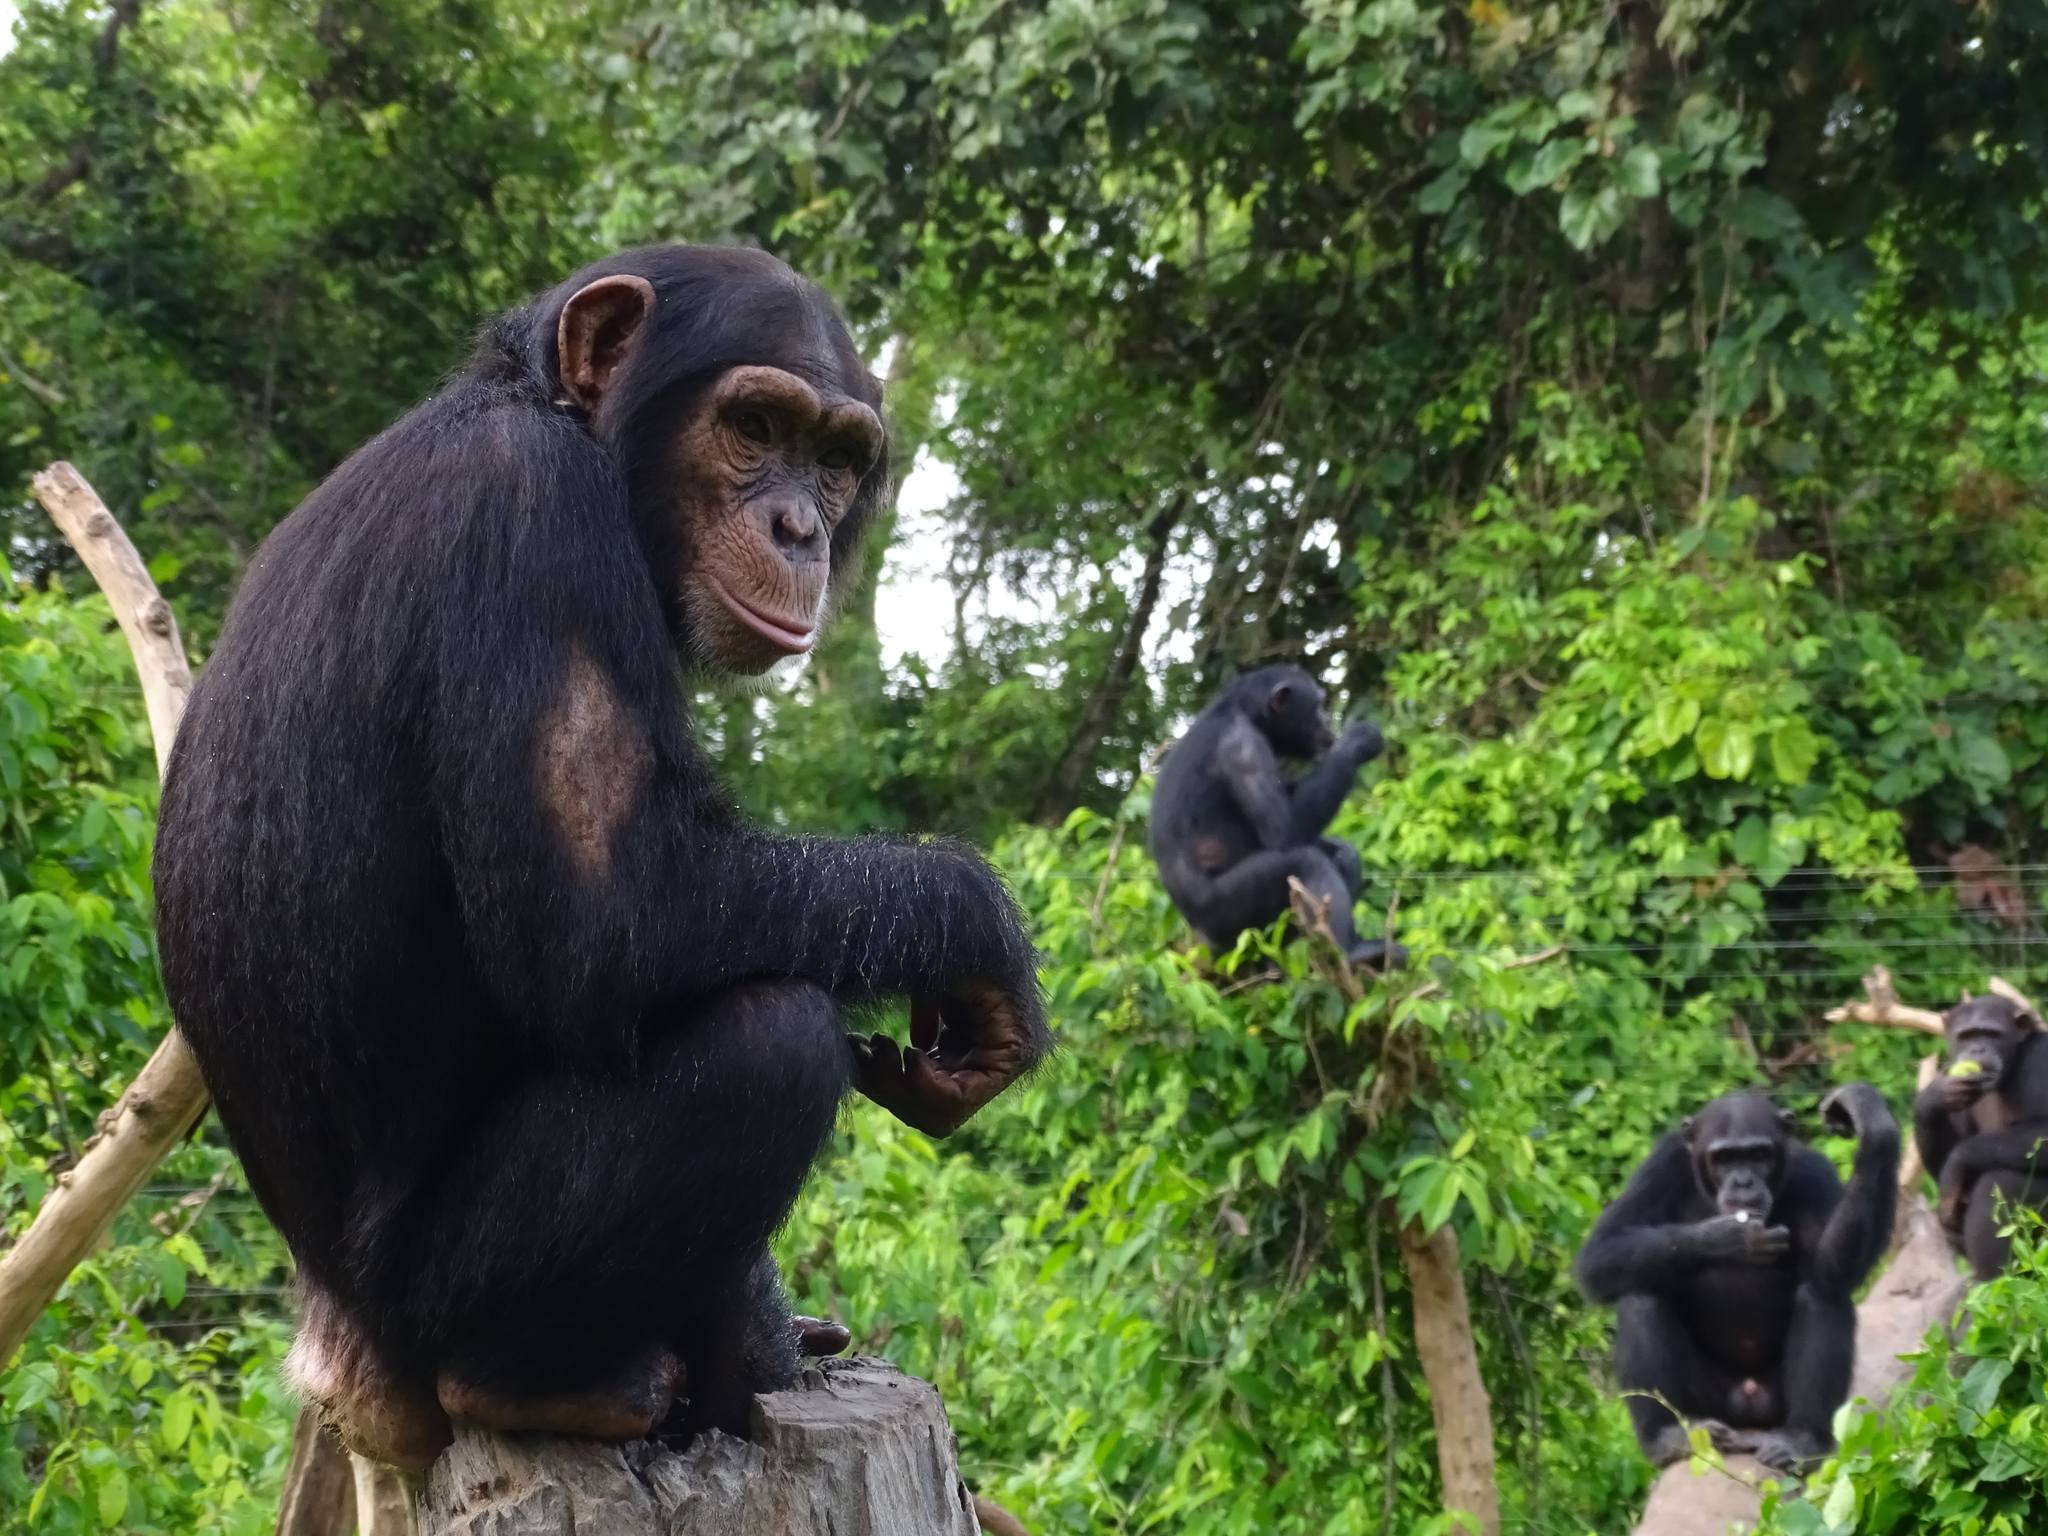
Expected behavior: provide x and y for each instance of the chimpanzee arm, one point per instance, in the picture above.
(1839, 1235)
(1934, 1127)
(1245, 759)
(1644, 1241)
(598, 866)
(1315, 798)
(2019, 1148)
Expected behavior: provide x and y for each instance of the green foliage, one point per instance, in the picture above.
(147, 1399)
(1966, 1449)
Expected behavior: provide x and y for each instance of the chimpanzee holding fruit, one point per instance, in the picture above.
(1982, 1126)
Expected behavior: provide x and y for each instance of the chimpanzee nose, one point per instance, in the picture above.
(798, 529)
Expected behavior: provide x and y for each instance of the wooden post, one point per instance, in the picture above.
(857, 1448)
(167, 1097)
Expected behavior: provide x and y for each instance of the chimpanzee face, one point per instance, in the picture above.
(767, 466)
(1291, 713)
(1987, 1032)
(1738, 1153)
(748, 486)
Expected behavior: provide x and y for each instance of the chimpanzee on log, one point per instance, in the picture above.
(1982, 1127)
(1733, 1259)
(1229, 830)
(526, 1039)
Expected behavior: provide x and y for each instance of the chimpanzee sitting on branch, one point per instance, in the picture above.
(1982, 1126)
(1733, 1258)
(1229, 830)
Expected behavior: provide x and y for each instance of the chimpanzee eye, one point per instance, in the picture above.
(754, 426)
(836, 459)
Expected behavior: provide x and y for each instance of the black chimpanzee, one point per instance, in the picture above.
(1982, 1127)
(526, 1039)
(1229, 830)
(1732, 1259)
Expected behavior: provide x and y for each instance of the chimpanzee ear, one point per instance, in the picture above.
(1278, 700)
(1686, 1129)
(600, 325)
(1788, 1122)
(2026, 1021)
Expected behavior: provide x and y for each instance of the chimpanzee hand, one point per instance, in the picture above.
(964, 1050)
(1857, 1109)
(1361, 741)
(1739, 1240)
(1960, 1094)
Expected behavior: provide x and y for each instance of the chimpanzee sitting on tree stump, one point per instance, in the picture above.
(526, 1038)
(1230, 830)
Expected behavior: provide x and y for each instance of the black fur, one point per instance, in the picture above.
(1229, 830)
(518, 1122)
(1987, 1137)
(1746, 1322)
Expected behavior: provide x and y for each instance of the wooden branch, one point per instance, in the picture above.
(145, 618)
(319, 1486)
(1881, 1005)
(857, 1448)
(996, 1520)
(168, 1096)
(1450, 1365)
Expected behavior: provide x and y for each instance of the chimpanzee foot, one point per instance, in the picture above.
(1791, 1450)
(1378, 955)
(816, 1336)
(625, 1409)
(1669, 1444)
(1728, 1440)
(372, 1408)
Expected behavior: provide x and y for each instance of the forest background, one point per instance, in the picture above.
(1638, 407)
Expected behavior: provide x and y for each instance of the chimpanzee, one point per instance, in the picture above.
(526, 1038)
(1229, 830)
(1732, 1259)
(1982, 1127)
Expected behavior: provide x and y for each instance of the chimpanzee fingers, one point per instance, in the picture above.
(1771, 1244)
(818, 1336)
(926, 1021)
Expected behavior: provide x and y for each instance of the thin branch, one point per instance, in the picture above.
(168, 1096)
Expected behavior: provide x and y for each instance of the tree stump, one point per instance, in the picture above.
(856, 1448)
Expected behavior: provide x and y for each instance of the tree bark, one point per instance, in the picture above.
(1107, 697)
(855, 1449)
(1450, 1364)
(167, 1097)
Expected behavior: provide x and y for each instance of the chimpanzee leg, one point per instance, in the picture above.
(1345, 857)
(639, 1206)
(1820, 1357)
(1987, 1249)
(1657, 1363)
(1253, 892)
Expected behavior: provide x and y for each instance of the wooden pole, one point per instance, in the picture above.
(167, 1097)
(1450, 1365)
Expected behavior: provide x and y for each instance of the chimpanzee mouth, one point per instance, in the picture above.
(780, 633)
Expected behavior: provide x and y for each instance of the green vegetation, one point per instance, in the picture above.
(1640, 410)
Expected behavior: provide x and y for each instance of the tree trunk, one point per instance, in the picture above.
(319, 1484)
(1063, 789)
(1919, 1290)
(1450, 1364)
(855, 1449)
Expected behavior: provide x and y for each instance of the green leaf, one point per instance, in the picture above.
(1794, 751)
(1727, 748)
(1639, 174)
(1840, 1508)
(1441, 193)
(113, 1496)
(176, 1424)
